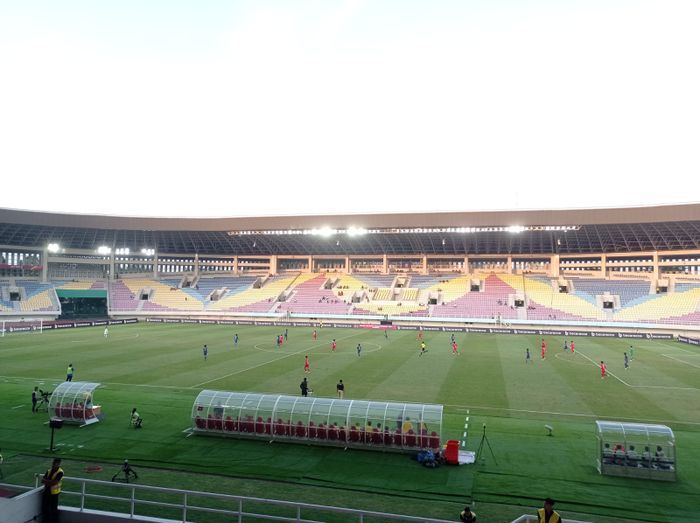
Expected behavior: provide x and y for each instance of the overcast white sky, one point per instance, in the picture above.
(178, 108)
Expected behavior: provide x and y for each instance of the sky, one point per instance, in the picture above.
(252, 108)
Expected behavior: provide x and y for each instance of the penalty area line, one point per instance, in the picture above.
(681, 361)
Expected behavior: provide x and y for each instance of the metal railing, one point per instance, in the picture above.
(525, 518)
(134, 497)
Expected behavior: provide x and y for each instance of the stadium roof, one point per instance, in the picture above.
(637, 229)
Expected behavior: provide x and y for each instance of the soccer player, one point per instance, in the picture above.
(334, 345)
(423, 350)
(313, 335)
(573, 349)
(281, 337)
(286, 334)
(277, 341)
(528, 358)
(359, 349)
(235, 340)
(454, 348)
(307, 367)
(566, 346)
(106, 332)
(420, 334)
(69, 372)
(631, 352)
(452, 338)
(543, 349)
(205, 351)
(627, 361)
(386, 334)
(603, 369)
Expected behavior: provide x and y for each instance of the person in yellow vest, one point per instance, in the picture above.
(467, 516)
(52, 488)
(548, 514)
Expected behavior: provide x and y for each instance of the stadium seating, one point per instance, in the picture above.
(465, 304)
(668, 308)
(309, 296)
(627, 290)
(255, 300)
(164, 297)
(549, 304)
(38, 297)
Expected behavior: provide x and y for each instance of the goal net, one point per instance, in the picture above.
(8, 328)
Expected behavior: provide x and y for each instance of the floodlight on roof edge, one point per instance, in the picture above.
(103, 249)
(53, 247)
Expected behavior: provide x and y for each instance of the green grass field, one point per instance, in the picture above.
(159, 368)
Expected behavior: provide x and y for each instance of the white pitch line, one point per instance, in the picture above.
(573, 414)
(26, 378)
(639, 386)
(607, 371)
(268, 362)
(17, 407)
(681, 361)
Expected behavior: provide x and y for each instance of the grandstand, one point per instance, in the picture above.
(634, 271)
(609, 264)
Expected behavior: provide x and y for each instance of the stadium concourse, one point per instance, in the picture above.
(555, 274)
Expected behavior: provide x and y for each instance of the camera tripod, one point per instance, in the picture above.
(484, 439)
(128, 472)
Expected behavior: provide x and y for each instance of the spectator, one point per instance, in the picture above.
(548, 514)
(467, 515)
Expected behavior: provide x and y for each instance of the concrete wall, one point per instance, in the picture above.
(23, 508)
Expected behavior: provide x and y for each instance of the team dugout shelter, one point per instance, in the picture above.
(378, 425)
(72, 402)
(636, 450)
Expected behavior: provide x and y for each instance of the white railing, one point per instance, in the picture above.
(525, 518)
(187, 507)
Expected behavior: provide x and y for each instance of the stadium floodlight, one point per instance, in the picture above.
(325, 232)
(103, 249)
(53, 247)
(516, 229)
(148, 252)
(356, 231)
(122, 252)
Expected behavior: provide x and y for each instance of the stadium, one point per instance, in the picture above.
(498, 298)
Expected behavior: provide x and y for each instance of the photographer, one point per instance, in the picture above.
(135, 419)
(128, 472)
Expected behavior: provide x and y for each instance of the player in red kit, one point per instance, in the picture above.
(314, 335)
(333, 345)
(573, 349)
(307, 367)
(603, 369)
(543, 349)
(454, 348)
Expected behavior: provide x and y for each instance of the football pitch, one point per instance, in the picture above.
(160, 369)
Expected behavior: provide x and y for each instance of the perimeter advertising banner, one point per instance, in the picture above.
(431, 328)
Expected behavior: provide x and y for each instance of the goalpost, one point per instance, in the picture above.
(21, 327)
